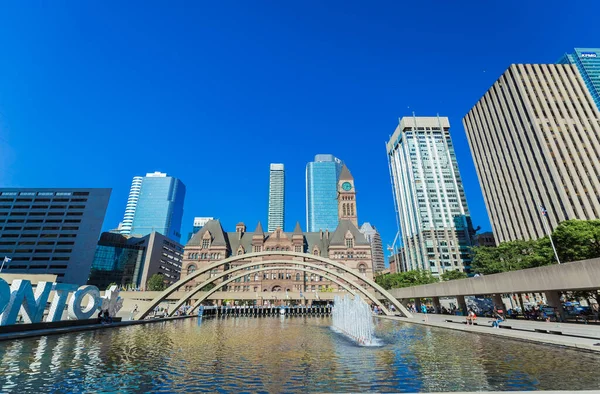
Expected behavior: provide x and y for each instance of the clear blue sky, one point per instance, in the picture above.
(93, 93)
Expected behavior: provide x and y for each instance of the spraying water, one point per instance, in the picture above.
(353, 318)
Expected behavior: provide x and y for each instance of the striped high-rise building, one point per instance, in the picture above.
(535, 140)
(134, 196)
(430, 200)
(276, 197)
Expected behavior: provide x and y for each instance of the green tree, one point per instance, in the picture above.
(156, 283)
(511, 256)
(405, 279)
(452, 275)
(577, 240)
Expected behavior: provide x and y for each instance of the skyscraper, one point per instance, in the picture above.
(276, 197)
(535, 140)
(321, 193)
(372, 235)
(428, 191)
(51, 231)
(134, 195)
(587, 61)
(155, 204)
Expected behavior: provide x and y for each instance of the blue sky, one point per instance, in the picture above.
(93, 93)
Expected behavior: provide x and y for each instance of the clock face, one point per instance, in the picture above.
(346, 186)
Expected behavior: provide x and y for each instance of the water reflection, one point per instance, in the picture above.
(291, 354)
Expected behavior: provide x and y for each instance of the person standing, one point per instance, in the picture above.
(424, 311)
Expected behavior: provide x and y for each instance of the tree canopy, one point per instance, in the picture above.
(577, 240)
(452, 275)
(574, 240)
(405, 279)
(156, 283)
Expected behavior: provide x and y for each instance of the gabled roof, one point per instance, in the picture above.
(216, 231)
(339, 235)
(345, 174)
(259, 230)
(298, 229)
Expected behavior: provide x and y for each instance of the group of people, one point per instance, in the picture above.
(104, 317)
(497, 316)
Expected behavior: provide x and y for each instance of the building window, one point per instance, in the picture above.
(362, 268)
(316, 252)
(205, 243)
(349, 243)
(191, 269)
(298, 249)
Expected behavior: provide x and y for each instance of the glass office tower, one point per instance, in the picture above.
(431, 204)
(321, 193)
(158, 207)
(587, 61)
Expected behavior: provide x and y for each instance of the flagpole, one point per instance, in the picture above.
(547, 228)
(5, 260)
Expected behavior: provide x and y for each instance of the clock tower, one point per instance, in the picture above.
(346, 197)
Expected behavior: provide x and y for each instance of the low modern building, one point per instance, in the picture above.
(131, 261)
(51, 231)
(346, 245)
(485, 239)
(376, 246)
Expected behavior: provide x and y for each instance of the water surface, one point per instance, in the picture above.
(297, 354)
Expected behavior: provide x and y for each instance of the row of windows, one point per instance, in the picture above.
(42, 206)
(14, 213)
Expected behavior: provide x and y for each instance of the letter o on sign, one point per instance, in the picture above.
(94, 302)
(4, 295)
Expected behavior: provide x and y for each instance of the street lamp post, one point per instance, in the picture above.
(547, 228)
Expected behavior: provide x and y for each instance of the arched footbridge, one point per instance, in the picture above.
(353, 279)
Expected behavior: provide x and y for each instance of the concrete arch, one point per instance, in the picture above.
(218, 286)
(235, 258)
(333, 274)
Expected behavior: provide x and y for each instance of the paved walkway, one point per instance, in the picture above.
(572, 335)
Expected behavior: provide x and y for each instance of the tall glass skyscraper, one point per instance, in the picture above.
(321, 193)
(276, 197)
(155, 204)
(431, 204)
(587, 61)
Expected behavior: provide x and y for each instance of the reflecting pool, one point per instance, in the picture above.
(297, 354)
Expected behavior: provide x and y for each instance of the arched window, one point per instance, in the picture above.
(256, 277)
(316, 252)
(191, 268)
(297, 277)
(362, 268)
(240, 251)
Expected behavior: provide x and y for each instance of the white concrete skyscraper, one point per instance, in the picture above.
(276, 197)
(535, 140)
(430, 200)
